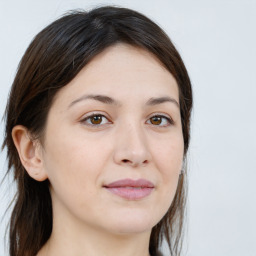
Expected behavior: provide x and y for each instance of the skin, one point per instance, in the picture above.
(79, 157)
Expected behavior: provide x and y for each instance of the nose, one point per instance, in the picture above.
(131, 147)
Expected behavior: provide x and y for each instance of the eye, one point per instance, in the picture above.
(95, 120)
(160, 120)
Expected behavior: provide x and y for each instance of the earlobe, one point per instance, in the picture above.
(29, 152)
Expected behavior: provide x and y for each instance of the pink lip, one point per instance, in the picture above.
(131, 189)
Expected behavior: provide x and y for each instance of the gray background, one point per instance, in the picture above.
(217, 40)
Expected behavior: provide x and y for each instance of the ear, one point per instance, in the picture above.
(30, 153)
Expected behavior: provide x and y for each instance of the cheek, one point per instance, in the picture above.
(169, 155)
(73, 169)
(72, 163)
(168, 158)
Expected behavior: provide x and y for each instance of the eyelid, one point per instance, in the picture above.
(163, 115)
(91, 114)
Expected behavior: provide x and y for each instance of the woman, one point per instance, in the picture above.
(97, 131)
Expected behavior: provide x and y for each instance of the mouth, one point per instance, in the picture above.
(131, 189)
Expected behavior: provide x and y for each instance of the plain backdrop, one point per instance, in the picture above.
(217, 41)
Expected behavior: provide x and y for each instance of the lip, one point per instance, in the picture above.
(131, 189)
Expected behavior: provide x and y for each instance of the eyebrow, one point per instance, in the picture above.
(108, 100)
(160, 100)
(101, 98)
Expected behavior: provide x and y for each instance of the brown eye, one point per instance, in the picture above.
(156, 120)
(160, 120)
(96, 119)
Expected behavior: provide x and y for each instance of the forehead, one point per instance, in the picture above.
(122, 71)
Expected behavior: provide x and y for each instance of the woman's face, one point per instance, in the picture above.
(113, 145)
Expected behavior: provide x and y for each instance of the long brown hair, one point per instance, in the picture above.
(52, 60)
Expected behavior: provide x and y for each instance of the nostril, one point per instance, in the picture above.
(125, 160)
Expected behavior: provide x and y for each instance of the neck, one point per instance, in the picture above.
(67, 241)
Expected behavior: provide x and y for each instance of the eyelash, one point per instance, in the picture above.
(88, 119)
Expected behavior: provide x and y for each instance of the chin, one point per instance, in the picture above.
(133, 221)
